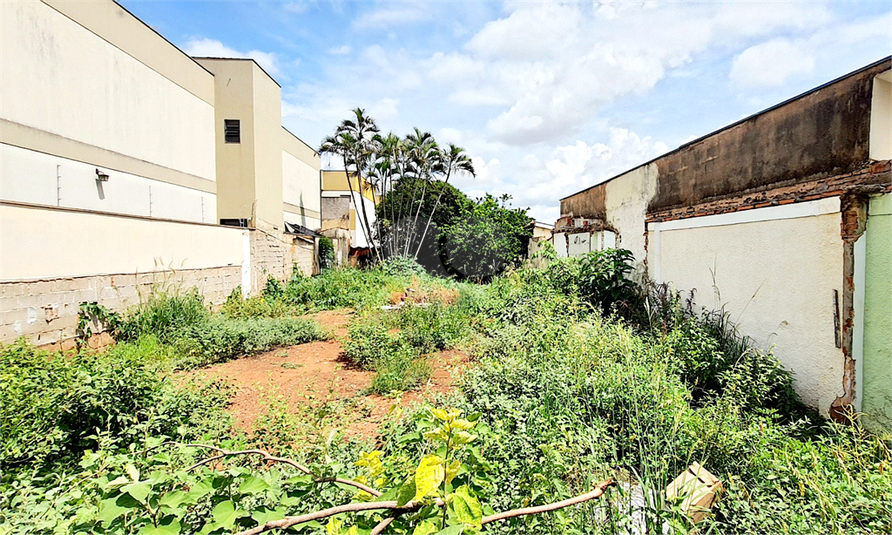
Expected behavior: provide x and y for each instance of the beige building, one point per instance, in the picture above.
(781, 220)
(117, 165)
(340, 207)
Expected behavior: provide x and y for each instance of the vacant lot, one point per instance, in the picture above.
(462, 400)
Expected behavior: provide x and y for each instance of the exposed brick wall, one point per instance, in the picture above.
(276, 257)
(45, 311)
(877, 175)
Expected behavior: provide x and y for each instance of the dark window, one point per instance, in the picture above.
(232, 130)
(234, 222)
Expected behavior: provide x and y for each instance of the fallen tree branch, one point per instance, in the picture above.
(222, 453)
(382, 525)
(396, 510)
(596, 493)
(289, 521)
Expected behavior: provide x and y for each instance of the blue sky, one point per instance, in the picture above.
(548, 97)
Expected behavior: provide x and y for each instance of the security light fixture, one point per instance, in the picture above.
(101, 176)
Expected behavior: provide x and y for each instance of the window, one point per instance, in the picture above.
(232, 131)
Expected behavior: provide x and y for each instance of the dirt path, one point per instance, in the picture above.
(314, 375)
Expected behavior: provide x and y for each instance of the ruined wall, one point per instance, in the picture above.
(276, 256)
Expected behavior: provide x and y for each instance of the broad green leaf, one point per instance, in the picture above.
(132, 472)
(334, 526)
(463, 437)
(175, 498)
(440, 414)
(253, 485)
(406, 492)
(467, 506)
(262, 515)
(452, 530)
(118, 481)
(463, 424)
(225, 514)
(452, 470)
(109, 510)
(171, 527)
(425, 528)
(436, 434)
(139, 491)
(429, 475)
(201, 488)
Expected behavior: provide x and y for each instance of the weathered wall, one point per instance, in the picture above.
(824, 133)
(821, 134)
(45, 311)
(155, 108)
(625, 205)
(774, 271)
(877, 348)
(275, 256)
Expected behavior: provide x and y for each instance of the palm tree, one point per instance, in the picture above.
(454, 160)
(425, 158)
(355, 141)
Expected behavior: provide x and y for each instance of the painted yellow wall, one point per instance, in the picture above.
(774, 271)
(268, 149)
(337, 181)
(234, 84)
(56, 72)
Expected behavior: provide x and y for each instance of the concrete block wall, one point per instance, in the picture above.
(46, 311)
(276, 256)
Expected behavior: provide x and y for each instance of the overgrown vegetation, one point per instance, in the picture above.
(577, 376)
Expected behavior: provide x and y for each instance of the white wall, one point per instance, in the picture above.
(881, 117)
(301, 187)
(58, 77)
(33, 177)
(774, 270)
(48, 243)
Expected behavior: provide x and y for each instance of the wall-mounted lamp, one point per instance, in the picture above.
(101, 177)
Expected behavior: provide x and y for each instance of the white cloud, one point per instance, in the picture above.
(771, 63)
(394, 14)
(384, 110)
(551, 66)
(204, 47)
(342, 50)
(297, 7)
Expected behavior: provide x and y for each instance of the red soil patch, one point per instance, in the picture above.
(314, 374)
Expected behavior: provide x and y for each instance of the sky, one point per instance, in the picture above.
(548, 98)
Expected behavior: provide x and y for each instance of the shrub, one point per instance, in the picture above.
(370, 341)
(164, 315)
(55, 406)
(326, 253)
(220, 339)
(401, 265)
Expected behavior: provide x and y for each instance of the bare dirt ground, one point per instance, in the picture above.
(314, 375)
